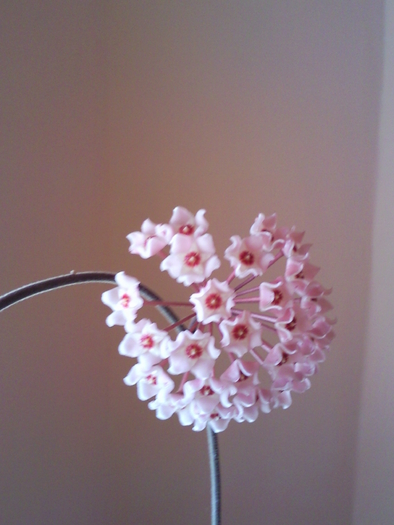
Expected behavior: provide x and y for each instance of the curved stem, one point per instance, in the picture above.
(53, 283)
(20, 294)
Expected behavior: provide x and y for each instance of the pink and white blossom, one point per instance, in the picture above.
(249, 256)
(192, 259)
(150, 240)
(166, 404)
(184, 222)
(213, 302)
(266, 227)
(273, 332)
(263, 225)
(240, 334)
(150, 382)
(146, 342)
(300, 273)
(194, 352)
(218, 419)
(125, 300)
(275, 296)
(240, 378)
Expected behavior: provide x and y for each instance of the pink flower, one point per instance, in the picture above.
(192, 259)
(249, 256)
(166, 404)
(193, 352)
(300, 273)
(240, 334)
(150, 240)
(184, 222)
(278, 327)
(280, 399)
(275, 296)
(218, 419)
(263, 224)
(150, 382)
(295, 321)
(146, 342)
(125, 300)
(201, 397)
(213, 302)
(241, 378)
(266, 227)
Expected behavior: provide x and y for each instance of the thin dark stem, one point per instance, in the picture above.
(53, 283)
(20, 294)
(214, 467)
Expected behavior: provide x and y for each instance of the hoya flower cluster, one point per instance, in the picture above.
(270, 334)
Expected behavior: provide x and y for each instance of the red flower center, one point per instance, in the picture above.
(151, 379)
(290, 326)
(206, 390)
(242, 376)
(213, 301)
(125, 300)
(192, 259)
(246, 258)
(278, 296)
(147, 341)
(186, 229)
(240, 331)
(284, 360)
(194, 351)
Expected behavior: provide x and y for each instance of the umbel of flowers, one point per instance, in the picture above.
(272, 333)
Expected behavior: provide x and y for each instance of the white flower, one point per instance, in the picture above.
(145, 341)
(213, 302)
(150, 240)
(249, 256)
(191, 259)
(241, 334)
(183, 221)
(193, 352)
(150, 382)
(125, 300)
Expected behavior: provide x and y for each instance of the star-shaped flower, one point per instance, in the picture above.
(150, 240)
(192, 259)
(213, 302)
(146, 342)
(249, 256)
(149, 381)
(240, 334)
(193, 352)
(275, 296)
(125, 300)
(182, 221)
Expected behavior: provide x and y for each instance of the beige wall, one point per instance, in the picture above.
(375, 465)
(120, 111)
(53, 193)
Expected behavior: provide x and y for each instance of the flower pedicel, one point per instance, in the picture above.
(273, 333)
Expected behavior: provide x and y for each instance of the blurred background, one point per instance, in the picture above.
(112, 112)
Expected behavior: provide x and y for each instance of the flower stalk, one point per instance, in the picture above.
(20, 294)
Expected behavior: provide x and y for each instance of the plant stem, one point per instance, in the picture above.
(53, 283)
(213, 453)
